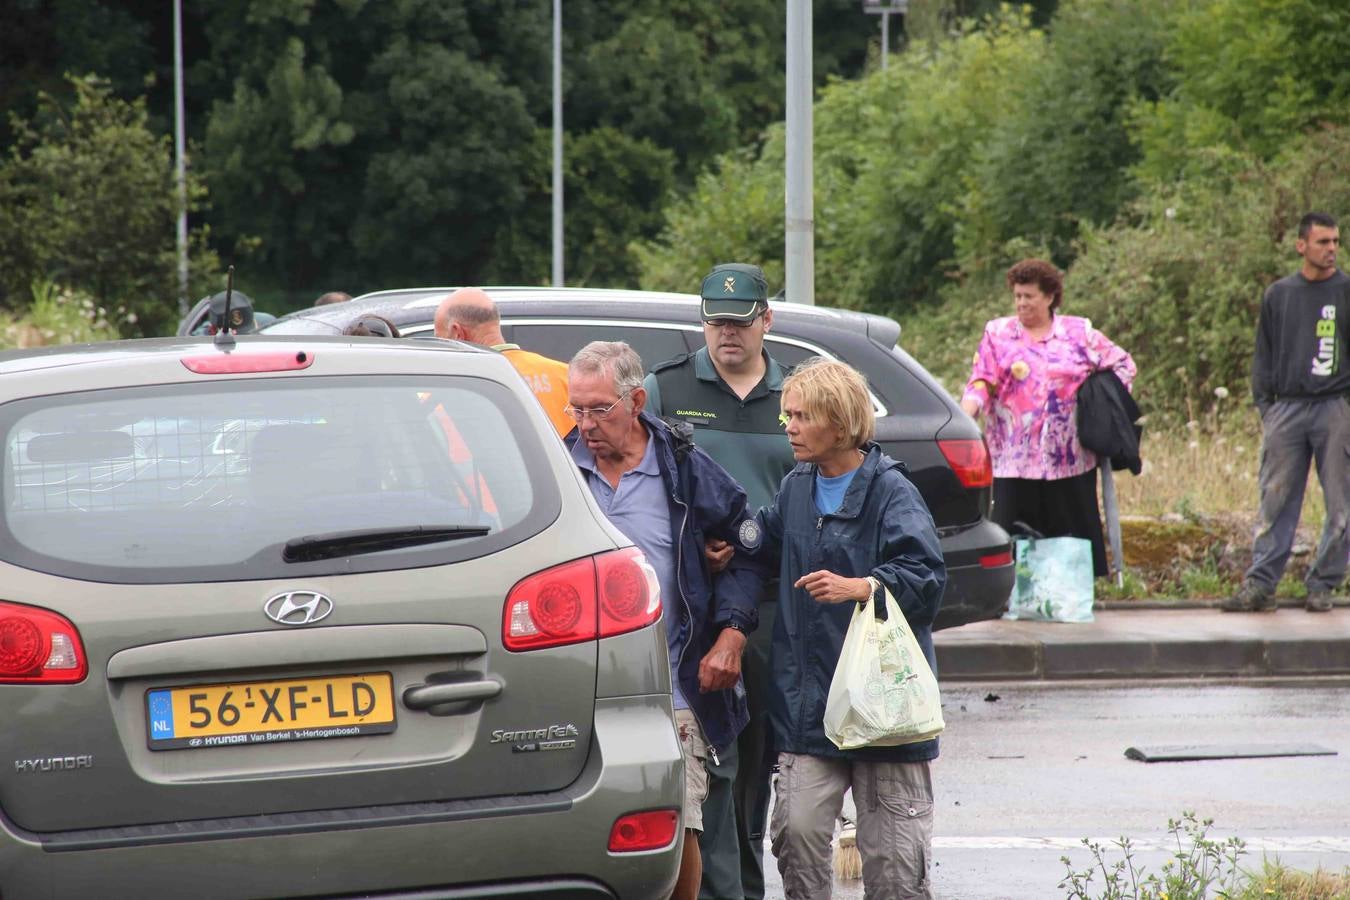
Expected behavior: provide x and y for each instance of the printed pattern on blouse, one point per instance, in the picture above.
(1031, 394)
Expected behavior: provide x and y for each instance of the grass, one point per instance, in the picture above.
(1200, 868)
(56, 316)
(1188, 517)
(1205, 470)
(1276, 881)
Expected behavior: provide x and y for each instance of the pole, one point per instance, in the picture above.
(557, 146)
(885, 38)
(799, 223)
(180, 171)
(1112, 519)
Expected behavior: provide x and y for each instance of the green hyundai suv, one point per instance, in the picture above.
(318, 616)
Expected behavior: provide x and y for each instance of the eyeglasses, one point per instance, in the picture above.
(735, 323)
(597, 413)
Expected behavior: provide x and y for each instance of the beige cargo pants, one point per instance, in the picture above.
(895, 825)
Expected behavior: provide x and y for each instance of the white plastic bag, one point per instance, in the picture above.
(1053, 580)
(883, 693)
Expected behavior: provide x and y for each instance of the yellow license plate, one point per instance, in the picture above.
(270, 712)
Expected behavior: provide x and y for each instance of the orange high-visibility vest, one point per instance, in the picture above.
(460, 454)
(547, 378)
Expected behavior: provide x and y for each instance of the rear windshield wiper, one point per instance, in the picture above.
(314, 547)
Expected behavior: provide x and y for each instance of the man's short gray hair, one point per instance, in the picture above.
(613, 358)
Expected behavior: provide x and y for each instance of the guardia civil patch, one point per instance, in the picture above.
(750, 534)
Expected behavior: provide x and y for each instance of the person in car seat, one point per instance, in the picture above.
(667, 496)
(372, 326)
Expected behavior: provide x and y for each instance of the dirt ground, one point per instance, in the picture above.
(1176, 556)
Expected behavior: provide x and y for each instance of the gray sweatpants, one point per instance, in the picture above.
(895, 825)
(1295, 433)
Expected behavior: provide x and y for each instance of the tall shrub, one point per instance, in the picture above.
(1179, 282)
(88, 200)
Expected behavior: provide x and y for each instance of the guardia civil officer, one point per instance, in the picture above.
(729, 392)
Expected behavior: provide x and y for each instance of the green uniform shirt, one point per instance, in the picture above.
(743, 436)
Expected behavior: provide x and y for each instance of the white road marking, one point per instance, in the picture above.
(1318, 844)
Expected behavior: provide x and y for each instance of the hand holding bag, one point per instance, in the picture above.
(883, 693)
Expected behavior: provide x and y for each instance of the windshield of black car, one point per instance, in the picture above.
(208, 481)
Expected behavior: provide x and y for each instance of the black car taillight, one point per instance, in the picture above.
(39, 647)
(969, 459)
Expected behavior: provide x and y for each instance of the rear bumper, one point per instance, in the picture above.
(975, 592)
(559, 889)
(551, 845)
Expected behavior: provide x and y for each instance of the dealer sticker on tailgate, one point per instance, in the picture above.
(266, 712)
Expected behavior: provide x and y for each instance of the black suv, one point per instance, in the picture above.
(917, 420)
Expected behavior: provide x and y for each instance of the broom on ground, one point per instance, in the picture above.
(847, 859)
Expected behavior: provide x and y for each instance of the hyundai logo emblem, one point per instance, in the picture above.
(298, 608)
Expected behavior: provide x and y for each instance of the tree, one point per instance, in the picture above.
(1250, 75)
(41, 42)
(892, 154)
(1060, 154)
(365, 143)
(88, 201)
(1179, 281)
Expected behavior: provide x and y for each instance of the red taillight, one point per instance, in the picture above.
(651, 830)
(994, 560)
(583, 600)
(969, 459)
(243, 362)
(630, 597)
(38, 647)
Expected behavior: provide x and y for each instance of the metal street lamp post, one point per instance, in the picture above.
(799, 222)
(179, 165)
(885, 9)
(557, 146)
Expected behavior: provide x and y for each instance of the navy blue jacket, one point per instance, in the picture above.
(883, 529)
(705, 500)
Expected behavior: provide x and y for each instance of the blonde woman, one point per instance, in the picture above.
(845, 522)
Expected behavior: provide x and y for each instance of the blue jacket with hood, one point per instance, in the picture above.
(705, 500)
(883, 529)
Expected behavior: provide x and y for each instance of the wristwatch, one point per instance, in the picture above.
(736, 625)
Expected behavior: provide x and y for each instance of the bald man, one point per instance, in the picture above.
(469, 315)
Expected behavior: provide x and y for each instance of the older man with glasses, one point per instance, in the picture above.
(728, 392)
(669, 498)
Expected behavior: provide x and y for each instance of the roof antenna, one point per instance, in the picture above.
(223, 336)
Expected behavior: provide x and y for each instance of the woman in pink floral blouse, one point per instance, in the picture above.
(1025, 379)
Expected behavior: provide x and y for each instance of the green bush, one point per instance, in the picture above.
(1178, 282)
(60, 315)
(88, 200)
(1198, 865)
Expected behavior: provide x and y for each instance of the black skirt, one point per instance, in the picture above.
(1060, 507)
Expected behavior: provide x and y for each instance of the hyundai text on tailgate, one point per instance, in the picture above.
(312, 618)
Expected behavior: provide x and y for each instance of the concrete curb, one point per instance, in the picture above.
(1149, 644)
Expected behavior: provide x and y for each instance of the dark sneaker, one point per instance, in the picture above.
(1250, 597)
(1318, 601)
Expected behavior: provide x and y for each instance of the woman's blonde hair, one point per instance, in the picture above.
(834, 392)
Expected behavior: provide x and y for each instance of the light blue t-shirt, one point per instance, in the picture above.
(829, 492)
(639, 509)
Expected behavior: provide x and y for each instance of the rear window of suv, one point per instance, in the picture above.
(210, 482)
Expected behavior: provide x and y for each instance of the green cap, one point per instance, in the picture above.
(734, 291)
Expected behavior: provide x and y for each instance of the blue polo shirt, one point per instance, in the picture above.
(639, 509)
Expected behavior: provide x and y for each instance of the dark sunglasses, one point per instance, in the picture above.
(735, 323)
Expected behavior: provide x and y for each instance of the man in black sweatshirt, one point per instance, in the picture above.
(1301, 385)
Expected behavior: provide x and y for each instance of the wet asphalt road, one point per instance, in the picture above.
(1023, 778)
